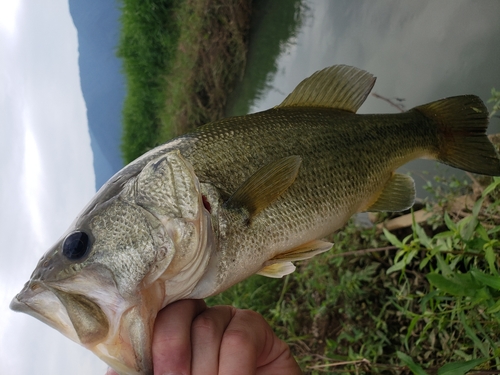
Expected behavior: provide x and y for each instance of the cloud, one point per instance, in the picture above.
(8, 15)
(46, 169)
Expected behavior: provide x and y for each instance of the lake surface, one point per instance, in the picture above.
(419, 51)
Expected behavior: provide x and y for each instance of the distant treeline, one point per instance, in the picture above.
(180, 59)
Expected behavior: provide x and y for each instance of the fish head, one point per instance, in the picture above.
(134, 249)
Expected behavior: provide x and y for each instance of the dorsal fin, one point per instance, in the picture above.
(339, 86)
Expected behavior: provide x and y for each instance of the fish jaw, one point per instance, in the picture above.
(90, 312)
(41, 303)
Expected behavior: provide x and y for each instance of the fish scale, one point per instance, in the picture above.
(332, 176)
(331, 152)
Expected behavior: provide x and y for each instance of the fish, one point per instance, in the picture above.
(239, 196)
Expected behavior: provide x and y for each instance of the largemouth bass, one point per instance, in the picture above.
(239, 196)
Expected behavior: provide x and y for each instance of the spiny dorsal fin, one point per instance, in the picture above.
(339, 86)
(398, 194)
(265, 185)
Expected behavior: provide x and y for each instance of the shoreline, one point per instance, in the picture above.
(180, 77)
(211, 58)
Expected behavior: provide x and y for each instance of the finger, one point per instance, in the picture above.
(111, 372)
(171, 339)
(249, 346)
(277, 359)
(240, 344)
(206, 335)
(275, 356)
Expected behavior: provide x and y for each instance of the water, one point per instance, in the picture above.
(420, 51)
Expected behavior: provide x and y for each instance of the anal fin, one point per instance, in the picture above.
(398, 194)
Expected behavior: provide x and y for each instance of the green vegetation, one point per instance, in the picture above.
(274, 25)
(147, 47)
(181, 59)
(423, 300)
(495, 99)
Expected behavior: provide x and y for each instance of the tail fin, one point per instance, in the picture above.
(462, 122)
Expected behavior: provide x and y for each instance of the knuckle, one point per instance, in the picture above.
(204, 325)
(248, 316)
(237, 338)
(243, 333)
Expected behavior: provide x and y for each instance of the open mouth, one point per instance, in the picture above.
(74, 315)
(80, 319)
(38, 301)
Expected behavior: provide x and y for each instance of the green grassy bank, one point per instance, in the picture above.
(181, 59)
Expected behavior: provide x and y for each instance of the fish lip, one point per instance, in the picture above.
(31, 290)
(18, 306)
(37, 300)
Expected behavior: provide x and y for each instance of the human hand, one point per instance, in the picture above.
(191, 338)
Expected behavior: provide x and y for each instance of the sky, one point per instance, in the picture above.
(46, 169)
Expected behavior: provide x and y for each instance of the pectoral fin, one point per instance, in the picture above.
(398, 194)
(304, 251)
(266, 185)
(281, 264)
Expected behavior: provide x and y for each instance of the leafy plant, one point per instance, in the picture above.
(461, 268)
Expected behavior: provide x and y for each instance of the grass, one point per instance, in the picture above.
(181, 59)
(148, 44)
(388, 303)
(211, 58)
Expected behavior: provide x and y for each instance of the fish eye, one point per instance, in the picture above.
(76, 245)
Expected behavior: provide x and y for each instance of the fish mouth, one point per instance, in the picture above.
(41, 303)
(81, 319)
(74, 315)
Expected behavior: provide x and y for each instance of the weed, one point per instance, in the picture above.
(427, 304)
